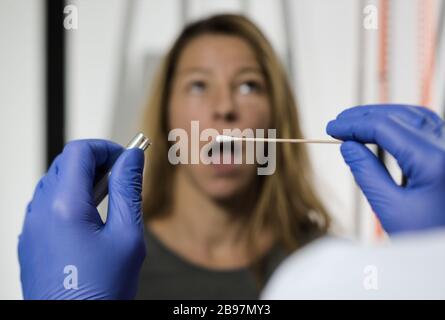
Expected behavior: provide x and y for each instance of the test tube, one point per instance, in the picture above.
(101, 188)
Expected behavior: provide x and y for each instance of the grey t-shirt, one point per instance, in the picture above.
(166, 275)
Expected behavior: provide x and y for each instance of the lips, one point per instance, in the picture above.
(222, 157)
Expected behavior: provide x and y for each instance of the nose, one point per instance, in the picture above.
(225, 109)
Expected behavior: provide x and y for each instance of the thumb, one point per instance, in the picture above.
(125, 187)
(370, 174)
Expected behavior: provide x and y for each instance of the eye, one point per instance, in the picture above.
(249, 87)
(197, 87)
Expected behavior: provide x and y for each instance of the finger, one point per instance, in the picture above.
(80, 161)
(419, 117)
(369, 172)
(390, 133)
(125, 187)
(49, 178)
(371, 175)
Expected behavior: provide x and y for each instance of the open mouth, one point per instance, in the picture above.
(222, 147)
(224, 153)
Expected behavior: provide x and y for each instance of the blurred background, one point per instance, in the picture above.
(82, 69)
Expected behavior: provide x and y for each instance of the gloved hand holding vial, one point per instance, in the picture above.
(65, 245)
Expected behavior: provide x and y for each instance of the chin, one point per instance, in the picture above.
(224, 186)
(225, 189)
(223, 193)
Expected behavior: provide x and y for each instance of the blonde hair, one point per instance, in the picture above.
(287, 204)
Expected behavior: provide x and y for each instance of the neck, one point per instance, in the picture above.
(204, 228)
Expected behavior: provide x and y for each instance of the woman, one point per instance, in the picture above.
(218, 231)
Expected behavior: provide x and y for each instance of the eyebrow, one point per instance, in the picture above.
(250, 70)
(208, 71)
(194, 70)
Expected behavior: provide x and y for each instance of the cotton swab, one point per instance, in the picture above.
(225, 138)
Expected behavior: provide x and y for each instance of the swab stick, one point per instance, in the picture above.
(225, 138)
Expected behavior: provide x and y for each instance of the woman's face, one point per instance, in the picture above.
(219, 83)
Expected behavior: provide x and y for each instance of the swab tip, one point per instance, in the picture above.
(223, 138)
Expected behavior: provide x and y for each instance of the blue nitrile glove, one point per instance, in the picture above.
(415, 137)
(65, 250)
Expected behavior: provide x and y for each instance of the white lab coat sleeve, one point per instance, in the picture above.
(406, 267)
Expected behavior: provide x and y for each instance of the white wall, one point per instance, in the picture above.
(21, 126)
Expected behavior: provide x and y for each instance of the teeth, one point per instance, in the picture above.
(222, 148)
(221, 142)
